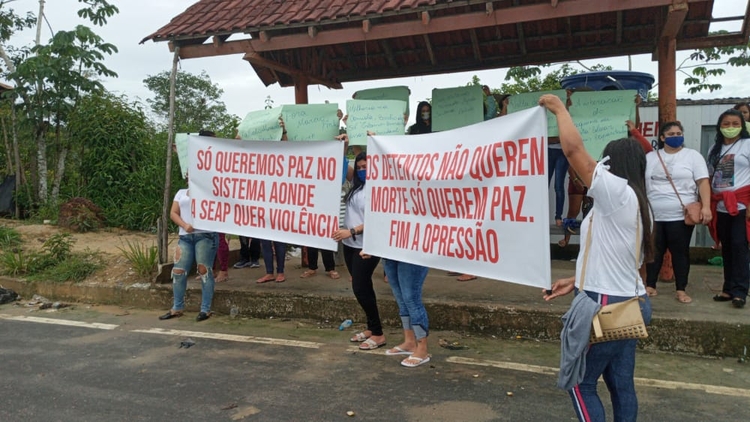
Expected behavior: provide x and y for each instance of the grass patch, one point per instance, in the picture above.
(143, 258)
(77, 267)
(9, 237)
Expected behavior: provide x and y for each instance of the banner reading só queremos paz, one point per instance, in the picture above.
(283, 191)
(472, 200)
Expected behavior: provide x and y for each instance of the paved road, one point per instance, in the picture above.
(127, 366)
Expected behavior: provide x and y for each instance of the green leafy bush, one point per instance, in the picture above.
(9, 237)
(76, 267)
(143, 258)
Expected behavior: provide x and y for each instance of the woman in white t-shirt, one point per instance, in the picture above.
(689, 175)
(197, 246)
(621, 209)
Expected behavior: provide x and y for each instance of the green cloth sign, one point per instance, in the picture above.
(311, 122)
(457, 107)
(527, 100)
(600, 117)
(383, 117)
(400, 93)
(261, 125)
(181, 143)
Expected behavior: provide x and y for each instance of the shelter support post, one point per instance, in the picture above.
(300, 89)
(667, 80)
(163, 227)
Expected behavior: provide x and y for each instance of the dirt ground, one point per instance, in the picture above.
(117, 269)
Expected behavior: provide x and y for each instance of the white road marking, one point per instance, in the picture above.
(232, 337)
(645, 382)
(53, 321)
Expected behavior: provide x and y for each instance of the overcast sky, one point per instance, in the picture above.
(243, 90)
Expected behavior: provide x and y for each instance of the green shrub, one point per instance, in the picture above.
(58, 246)
(9, 237)
(143, 258)
(75, 268)
(14, 263)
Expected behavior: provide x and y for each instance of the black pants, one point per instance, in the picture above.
(312, 259)
(361, 271)
(733, 236)
(249, 249)
(675, 236)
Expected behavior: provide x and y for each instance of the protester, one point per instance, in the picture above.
(744, 108)
(222, 254)
(491, 108)
(684, 181)
(361, 268)
(193, 246)
(729, 169)
(249, 253)
(576, 192)
(423, 123)
(620, 210)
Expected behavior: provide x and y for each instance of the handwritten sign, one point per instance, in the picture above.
(181, 141)
(400, 93)
(311, 122)
(282, 191)
(456, 107)
(471, 200)
(261, 125)
(600, 117)
(383, 117)
(531, 99)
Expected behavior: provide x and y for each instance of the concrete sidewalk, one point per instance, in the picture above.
(481, 306)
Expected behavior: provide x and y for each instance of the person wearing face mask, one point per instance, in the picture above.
(689, 180)
(744, 108)
(360, 268)
(424, 119)
(729, 170)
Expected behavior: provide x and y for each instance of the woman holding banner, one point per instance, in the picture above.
(360, 267)
(612, 253)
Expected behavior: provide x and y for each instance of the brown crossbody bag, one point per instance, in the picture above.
(691, 211)
(618, 321)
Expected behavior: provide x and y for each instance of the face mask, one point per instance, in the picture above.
(426, 116)
(674, 141)
(362, 174)
(730, 132)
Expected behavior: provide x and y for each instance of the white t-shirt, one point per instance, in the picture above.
(733, 170)
(611, 267)
(185, 203)
(686, 167)
(355, 215)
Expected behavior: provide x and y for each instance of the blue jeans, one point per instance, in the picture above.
(557, 164)
(200, 248)
(268, 248)
(406, 281)
(615, 360)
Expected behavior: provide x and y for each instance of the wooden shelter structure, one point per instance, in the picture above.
(330, 42)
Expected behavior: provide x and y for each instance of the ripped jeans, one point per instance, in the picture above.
(200, 248)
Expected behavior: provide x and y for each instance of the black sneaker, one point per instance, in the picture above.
(254, 264)
(203, 316)
(242, 263)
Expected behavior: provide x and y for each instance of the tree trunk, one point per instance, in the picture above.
(17, 153)
(59, 174)
(8, 151)
(163, 241)
(41, 162)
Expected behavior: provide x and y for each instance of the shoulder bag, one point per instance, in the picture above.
(691, 211)
(618, 321)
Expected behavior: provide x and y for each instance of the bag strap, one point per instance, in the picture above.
(588, 247)
(669, 177)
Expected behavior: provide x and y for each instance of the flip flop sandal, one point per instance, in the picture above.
(370, 344)
(308, 273)
(413, 361)
(280, 279)
(466, 277)
(683, 297)
(359, 337)
(397, 351)
(722, 298)
(334, 275)
(265, 279)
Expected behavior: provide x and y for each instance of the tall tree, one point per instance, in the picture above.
(707, 65)
(198, 103)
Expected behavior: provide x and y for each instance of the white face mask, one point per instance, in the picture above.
(426, 115)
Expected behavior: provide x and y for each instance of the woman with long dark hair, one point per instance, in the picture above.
(675, 175)
(729, 170)
(618, 233)
(360, 268)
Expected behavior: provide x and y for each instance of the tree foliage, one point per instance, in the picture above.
(198, 103)
(709, 65)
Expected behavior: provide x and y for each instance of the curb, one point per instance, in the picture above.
(702, 338)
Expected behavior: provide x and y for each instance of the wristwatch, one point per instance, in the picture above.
(354, 233)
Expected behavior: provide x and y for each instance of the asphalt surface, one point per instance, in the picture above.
(63, 373)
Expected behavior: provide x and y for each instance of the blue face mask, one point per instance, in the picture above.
(674, 141)
(362, 174)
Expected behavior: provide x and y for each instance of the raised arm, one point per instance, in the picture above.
(636, 134)
(572, 143)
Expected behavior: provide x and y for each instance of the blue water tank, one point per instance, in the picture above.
(611, 80)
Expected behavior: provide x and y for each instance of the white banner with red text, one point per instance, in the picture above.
(283, 191)
(472, 200)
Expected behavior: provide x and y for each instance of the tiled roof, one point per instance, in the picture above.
(210, 17)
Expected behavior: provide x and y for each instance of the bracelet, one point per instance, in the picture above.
(354, 233)
(283, 133)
